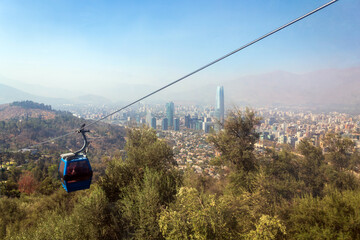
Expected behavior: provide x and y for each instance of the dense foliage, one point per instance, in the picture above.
(306, 194)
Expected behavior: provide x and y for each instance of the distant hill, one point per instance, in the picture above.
(27, 123)
(326, 87)
(9, 94)
(332, 89)
(17, 111)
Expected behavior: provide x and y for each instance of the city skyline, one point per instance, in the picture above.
(279, 127)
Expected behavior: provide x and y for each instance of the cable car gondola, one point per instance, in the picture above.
(75, 169)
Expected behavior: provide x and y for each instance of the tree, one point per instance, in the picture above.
(199, 216)
(336, 216)
(10, 216)
(355, 162)
(311, 167)
(339, 150)
(139, 186)
(144, 149)
(9, 189)
(14, 174)
(268, 228)
(27, 183)
(48, 186)
(236, 147)
(89, 218)
(142, 204)
(279, 177)
(236, 142)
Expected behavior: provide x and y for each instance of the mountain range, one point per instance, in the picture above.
(10, 94)
(316, 88)
(332, 89)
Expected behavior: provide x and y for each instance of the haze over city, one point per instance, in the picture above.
(121, 50)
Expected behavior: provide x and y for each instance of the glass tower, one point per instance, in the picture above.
(170, 113)
(177, 124)
(164, 124)
(153, 123)
(219, 105)
(187, 121)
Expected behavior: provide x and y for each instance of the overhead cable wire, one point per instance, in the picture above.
(51, 139)
(200, 69)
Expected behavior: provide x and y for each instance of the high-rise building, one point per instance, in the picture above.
(207, 126)
(187, 121)
(153, 123)
(148, 118)
(164, 124)
(198, 125)
(177, 124)
(170, 113)
(219, 106)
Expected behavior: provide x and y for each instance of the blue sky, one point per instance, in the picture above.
(99, 44)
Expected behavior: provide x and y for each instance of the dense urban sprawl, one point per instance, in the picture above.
(278, 128)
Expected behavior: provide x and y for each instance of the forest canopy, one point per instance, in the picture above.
(287, 194)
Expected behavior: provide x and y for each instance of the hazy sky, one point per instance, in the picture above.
(98, 45)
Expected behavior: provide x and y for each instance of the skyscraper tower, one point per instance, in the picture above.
(164, 124)
(148, 117)
(177, 124)
(187, 121)
(153, 123)
(219, 105)
(170, 113)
